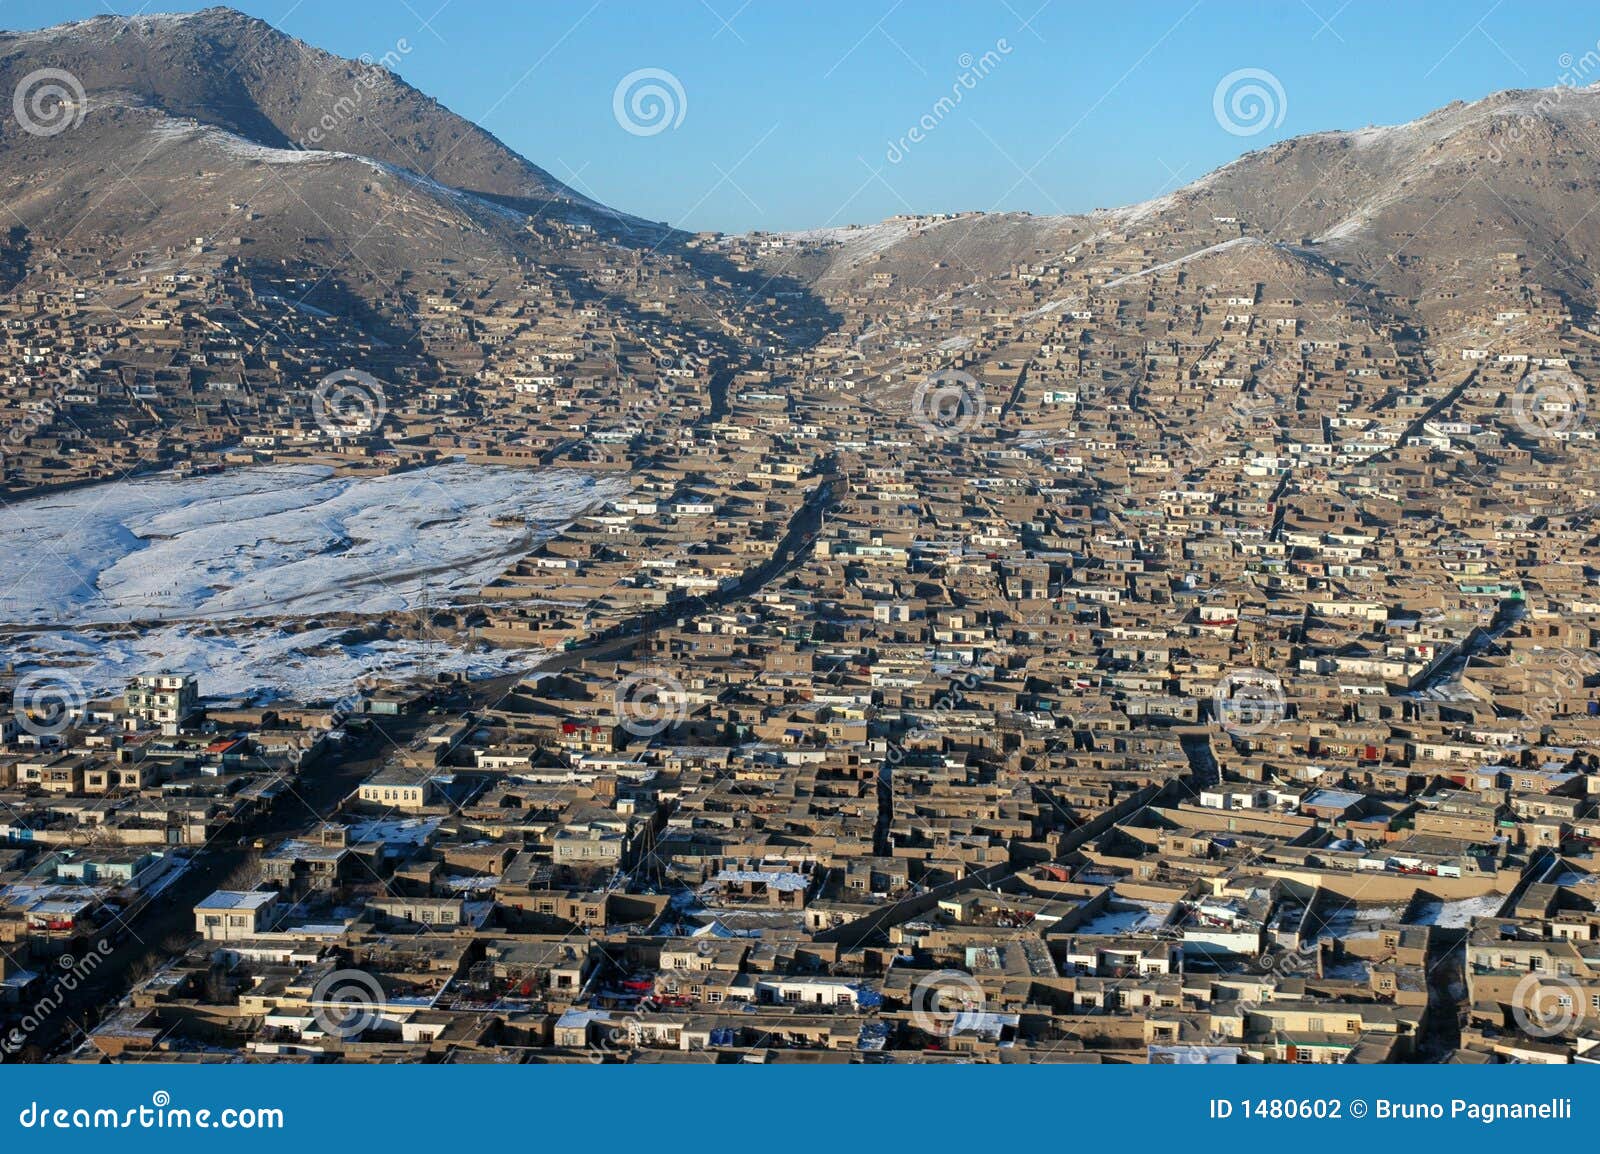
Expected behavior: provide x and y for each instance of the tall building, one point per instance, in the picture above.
(165, 699)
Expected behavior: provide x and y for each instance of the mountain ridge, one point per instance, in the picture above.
(186, 143)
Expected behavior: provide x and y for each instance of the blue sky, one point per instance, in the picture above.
(796, 114)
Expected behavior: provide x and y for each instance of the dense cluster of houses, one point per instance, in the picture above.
(1205, 675)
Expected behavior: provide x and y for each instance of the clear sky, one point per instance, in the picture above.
(796, 115)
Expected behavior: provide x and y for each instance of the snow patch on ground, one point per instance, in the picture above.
(242, 148)
(282, 540)
(260, 659)
(857, 242)
(1209, 250)
(197, 563)
(182, 132)
(394, 831)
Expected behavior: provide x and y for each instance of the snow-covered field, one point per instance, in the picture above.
(182, 558)
(281, 540)
(235, 660)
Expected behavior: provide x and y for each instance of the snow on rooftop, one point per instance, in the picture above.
(237, 900)
(407, 831)
(778, 880)
(1141, 919)
(1458, 914)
